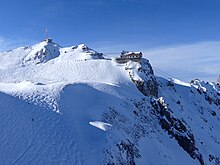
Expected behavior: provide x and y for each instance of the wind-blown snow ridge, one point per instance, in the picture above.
(101, 125)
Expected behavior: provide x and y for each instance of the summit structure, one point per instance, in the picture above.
(129, 56)
(47, 38)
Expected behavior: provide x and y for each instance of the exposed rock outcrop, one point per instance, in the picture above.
(143, 76)
(177, 129)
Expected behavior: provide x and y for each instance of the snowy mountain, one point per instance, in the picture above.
(72, 106)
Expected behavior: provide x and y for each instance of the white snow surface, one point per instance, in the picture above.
(72, 106)
(47, 104)
(101, 125)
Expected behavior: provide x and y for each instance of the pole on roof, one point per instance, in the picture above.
(46, 33)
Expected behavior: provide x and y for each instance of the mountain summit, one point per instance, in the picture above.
(45, 51)
(72, 106)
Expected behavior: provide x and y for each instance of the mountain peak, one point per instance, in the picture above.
(41, 53)
(79, 52)
(45, 51)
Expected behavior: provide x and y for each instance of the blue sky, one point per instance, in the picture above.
(110, 25)
(149, 23)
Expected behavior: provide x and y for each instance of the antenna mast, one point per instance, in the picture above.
(47, 39)
(46, 33)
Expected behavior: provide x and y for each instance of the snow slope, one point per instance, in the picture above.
(197, 105)
(72, 106)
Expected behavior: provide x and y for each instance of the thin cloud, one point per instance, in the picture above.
(200, 60)
(12, 43)
(3, 44)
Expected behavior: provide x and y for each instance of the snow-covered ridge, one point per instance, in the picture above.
(49, 63)
(79, 52)
(43, 52)
(68, 105)
(46, 68)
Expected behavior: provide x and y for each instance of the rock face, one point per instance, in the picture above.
(143, 76)
(176, 129)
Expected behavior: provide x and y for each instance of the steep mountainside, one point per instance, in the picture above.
(73, 106)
